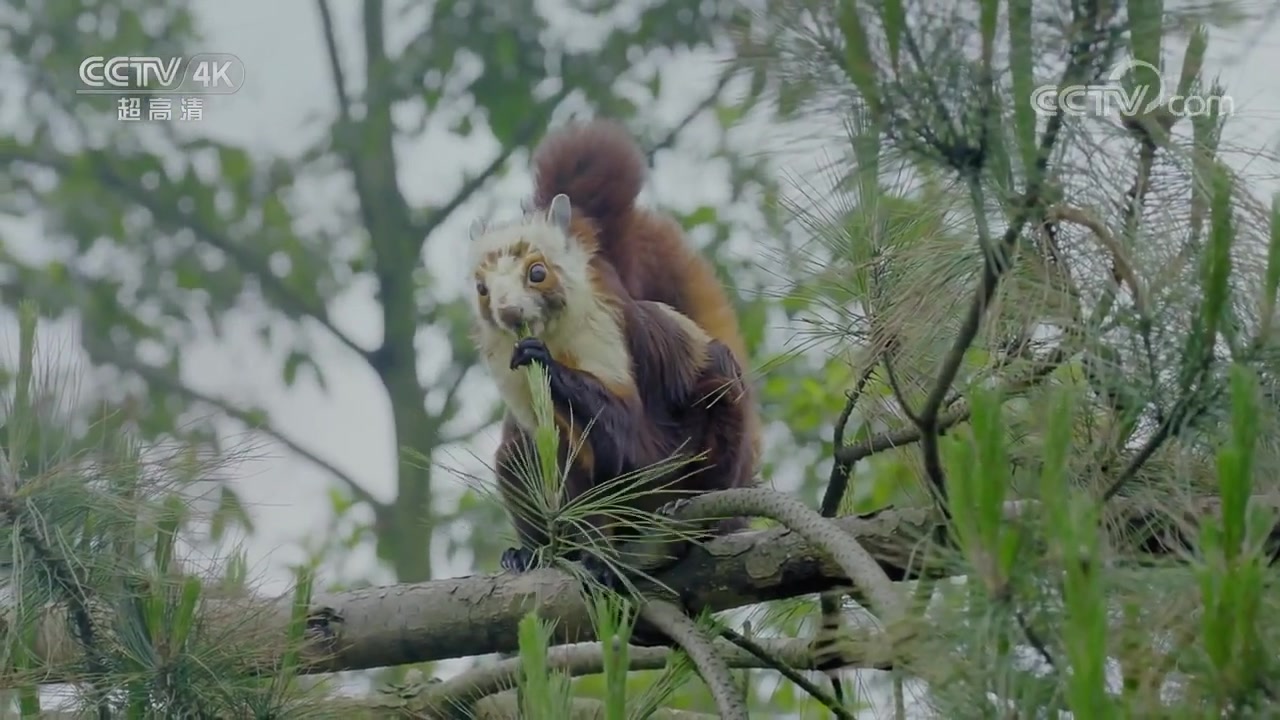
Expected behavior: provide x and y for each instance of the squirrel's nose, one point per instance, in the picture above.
(512, 317)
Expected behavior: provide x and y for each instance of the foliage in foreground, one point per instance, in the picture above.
(1065, 311)
(94, 536)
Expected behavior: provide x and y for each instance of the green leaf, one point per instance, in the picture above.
(1272, 277)
(858, 63)
(894, 18)
(1193, 59)
(304, 581)
(1145, 32)
(184, 617)
(703, 215)
(292, 362)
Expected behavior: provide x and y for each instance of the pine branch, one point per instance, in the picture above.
(382, 626)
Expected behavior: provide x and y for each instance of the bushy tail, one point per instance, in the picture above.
(598, 165)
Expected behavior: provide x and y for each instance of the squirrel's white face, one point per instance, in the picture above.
(526, 273)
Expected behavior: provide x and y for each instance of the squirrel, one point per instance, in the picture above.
(640, 343)
(637, 335)
(601, 170)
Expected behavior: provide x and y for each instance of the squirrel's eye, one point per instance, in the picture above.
(482, 289)
(537, 272)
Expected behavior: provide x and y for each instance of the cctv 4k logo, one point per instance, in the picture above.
(203, 74)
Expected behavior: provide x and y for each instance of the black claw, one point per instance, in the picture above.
(530, 350)
(518, 560)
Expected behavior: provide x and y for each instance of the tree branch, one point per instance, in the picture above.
(582, 659)
(996, 258)
(167, 214)
(504, 705)
(530, 129)
(715, 673)
(771, 661)
(1121, 267)
(855, 562)
(672, 135)
(157, 377)
(335, 62)
(441, 619)
(890, 440)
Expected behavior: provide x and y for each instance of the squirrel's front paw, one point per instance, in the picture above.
(530, 350)
(517, 559)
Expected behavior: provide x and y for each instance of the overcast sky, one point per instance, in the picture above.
(288, 85)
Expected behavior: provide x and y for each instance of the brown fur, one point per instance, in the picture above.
(689, 394)
(598, 165)
(692, 399)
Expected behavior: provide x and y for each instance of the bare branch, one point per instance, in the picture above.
(858, 565)
(166, 214)
(506, 706)
(1185, 408)
(892, 377)
(527, 131)
(335, 61)
(159, 378)
(769, 660)
(841, 468)
(1034, 638)
(585, 659)
(672, 135)
(715, 673)
(958, 414)
(1120, 261)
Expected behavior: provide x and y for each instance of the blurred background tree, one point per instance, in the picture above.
(154, 234)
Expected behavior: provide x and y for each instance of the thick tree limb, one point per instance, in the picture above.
(855, 562)
(440, 619)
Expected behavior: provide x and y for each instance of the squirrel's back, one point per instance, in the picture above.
(598, 165)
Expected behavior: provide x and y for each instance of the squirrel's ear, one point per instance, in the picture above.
(476, 229)
(559, 212)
